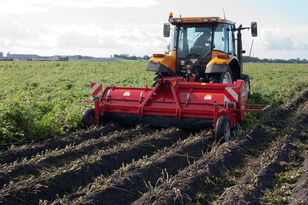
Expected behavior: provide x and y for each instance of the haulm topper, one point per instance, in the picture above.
(194, 88)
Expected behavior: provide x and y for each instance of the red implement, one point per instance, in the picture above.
(173, 102)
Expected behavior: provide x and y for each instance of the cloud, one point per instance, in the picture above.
(287, 43)
(78, 40)
(100, 3)
(18, 32)
(280, 44)
(105, 27)
(303, 46)
(275, 39)
(92, 39)
(13, 7)
(37, 6)
(281, 41)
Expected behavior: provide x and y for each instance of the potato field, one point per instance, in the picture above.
(47, 158)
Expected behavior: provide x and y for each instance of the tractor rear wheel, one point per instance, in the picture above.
(246, 79)
(223, 129)
(88, 117)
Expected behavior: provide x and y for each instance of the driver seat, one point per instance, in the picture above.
(198, 50)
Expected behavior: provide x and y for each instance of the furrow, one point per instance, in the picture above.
(27, 151)
(63, 180)
(299, 194)
(59, 157)
(199, 176)
(250, 188)
(128, 183)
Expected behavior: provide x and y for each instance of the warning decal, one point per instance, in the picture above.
(126, 93)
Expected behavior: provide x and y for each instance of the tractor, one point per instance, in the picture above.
(199, 83)
(202, 49)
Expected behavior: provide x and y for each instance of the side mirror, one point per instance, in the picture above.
(254, 29)
(166, 30)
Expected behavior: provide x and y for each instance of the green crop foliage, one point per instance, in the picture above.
(43, 99)
(274, 84)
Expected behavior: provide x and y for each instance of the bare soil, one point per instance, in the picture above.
(28, 151)
(119, 165)
(127, 187)
(71, 153)
(261, 177)
(49, 188)
(199, 176)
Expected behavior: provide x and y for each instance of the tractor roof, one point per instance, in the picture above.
(189, 20)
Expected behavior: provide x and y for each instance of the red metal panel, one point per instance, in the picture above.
(194, 99)
(176, 98)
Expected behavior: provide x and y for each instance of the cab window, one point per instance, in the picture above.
(230, 40)
(224, 39)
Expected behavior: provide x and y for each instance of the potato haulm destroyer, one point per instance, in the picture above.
(199, 84)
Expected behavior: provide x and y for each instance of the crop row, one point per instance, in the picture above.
(59, 157)
(16, 153)
(58, 181)
(203, 175)
(127, 184)
(251, 185)
(143, 165)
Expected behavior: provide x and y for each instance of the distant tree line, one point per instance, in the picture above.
(146, 57)
(247, 59)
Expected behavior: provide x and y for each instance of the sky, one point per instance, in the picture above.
(105, 27)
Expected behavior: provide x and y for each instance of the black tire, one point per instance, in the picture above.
(223, 129)
(219, 77)
(88, 116)
(246, 79)
(159, 75)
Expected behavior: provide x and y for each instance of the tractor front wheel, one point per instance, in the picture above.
(88, 117)
(159, 75)
(225, 77)
(223, 129)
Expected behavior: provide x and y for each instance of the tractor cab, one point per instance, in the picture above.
(197, 44)
(202, 49)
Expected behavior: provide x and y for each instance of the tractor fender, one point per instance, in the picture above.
(216, 68)
(218, 65)
(160, 68)
(163, 63)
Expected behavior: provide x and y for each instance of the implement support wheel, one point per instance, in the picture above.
(88, 117)
(246, 79)
(223, 129)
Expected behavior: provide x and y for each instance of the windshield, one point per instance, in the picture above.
(193, 41)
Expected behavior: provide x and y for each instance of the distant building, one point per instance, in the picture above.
(22, 56)
(1, 55)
